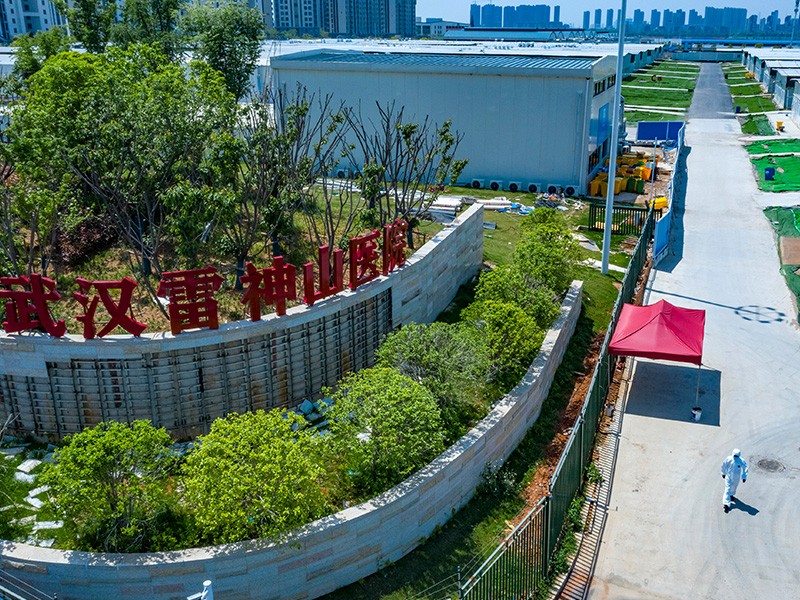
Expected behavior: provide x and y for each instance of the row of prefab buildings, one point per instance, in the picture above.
(533, 117)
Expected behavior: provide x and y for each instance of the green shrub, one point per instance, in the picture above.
(547, 251)
(386, 426)
(508, 283)
(452, 361)
(256, 475)
(513, 336)
(111, 486)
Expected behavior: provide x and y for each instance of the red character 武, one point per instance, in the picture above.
(27, 309)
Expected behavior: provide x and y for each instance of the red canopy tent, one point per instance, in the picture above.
(661, 331)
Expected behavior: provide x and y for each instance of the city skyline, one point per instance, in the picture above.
(572, 12)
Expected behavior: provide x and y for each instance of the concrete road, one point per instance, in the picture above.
(666, 535)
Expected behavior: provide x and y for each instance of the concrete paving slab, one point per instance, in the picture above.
(666, 536)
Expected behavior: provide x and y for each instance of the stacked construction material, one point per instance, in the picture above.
(499, 203)
(444, 208)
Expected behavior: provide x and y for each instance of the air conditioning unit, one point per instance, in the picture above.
(496, 184)
(514, 186)
(342, 173)
(554, 188)
(534, 188)
(356, 174)
(477, 184)
(571, 190)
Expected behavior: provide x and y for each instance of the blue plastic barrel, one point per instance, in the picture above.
(769, 173)
(738, 109)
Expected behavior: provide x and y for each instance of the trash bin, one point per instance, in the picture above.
(769, 173)
(779, 125)
(738, 109)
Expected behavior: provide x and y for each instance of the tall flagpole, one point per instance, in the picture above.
(612, 161)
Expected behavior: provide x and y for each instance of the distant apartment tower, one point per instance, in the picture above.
(638, 20)
(610, 18)
(535, 16)
(474, 15)
(586, 19)
(556, 15)
(265, 6)
(306, 16)
(655, 18)
(678, 20)
(345, 17)
(734, 19)
(773, 20)
(491, 16)
(23, 17)
(598, 18)
(695, 20)
(509, 16)
(712, 20)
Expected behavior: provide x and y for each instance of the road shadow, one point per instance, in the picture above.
(663, 390)
(737, 504)
(675, 252)
(749, 312)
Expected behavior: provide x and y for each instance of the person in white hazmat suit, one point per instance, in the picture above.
(733, 468)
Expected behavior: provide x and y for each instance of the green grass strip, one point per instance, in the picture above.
(745, 90)
(786, 181)
(773, 146)
(755, 105)
(757, 125)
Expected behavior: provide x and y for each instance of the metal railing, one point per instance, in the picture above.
(521, 563)
(12, 588)
(627, 220)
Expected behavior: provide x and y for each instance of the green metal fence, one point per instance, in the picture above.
(520, 564)
(627, 220)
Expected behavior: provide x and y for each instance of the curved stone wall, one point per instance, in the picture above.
(331, 552)
(59, 386)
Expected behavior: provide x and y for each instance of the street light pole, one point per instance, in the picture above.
(612, 160)
(794, 22)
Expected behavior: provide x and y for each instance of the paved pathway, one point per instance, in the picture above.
(666, 536)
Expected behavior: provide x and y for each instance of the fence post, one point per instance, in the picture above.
(460, 591)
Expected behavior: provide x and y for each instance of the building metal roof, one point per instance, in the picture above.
(450, 60)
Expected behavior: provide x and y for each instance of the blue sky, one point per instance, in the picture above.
(572, 11)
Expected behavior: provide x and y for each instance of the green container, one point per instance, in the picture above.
(639, 186)
(631, 186)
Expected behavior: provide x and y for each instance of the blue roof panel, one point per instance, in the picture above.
(502, 61)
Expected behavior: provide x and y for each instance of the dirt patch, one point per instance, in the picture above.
(790, 251)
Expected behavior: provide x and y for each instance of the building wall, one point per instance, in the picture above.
(59, 386)
(332, 552)
(516, 128)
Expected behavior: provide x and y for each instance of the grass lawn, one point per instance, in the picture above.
(773, 146)
(656, 97)
(745, 90)
(757, 125)
(666, 81)
(634, 116)
(755, 105)
(788, 180)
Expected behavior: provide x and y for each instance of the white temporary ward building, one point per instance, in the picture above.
(527, 120)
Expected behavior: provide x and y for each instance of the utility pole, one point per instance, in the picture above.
(794, 22)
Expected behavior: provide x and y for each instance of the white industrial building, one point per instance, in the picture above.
(528, 119)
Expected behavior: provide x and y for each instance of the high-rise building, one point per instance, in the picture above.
(752, 23)
(474, 15)
(586, 19)
(344, 17)
(678, 20)
(712, 20)
(598, 17)
(655, 18)
(509, 16)
(556, 15)
(773, 20)
(668, 17)
(734, 19)
(22, 17)
(491, 16)
(610, 18)
(695, 20)
(638, 20)
(305, 16)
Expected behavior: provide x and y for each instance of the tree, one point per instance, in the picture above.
(255, 475)
(149, 22)
(512, 335)
(89, 21)
(227, 35)
(452, 361)
(130, 126)
(509, 283)
(416, 159)
(110, 483)
(547, 251)
(33, 51)
(386, 426)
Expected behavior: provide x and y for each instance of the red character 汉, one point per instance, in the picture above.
(363, 259)
(27, 309)
(325, 287)
(394, 245)
(191, 298)
(274, 285)
(120, 312)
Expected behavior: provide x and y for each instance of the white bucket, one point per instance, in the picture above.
(609, 410)
(696, 413)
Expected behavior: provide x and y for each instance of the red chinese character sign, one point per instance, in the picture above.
(28, 309)
(363, 259)
(394, 245)
(191, 298)
(120, 312)
(274, 285)
(325, 287)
